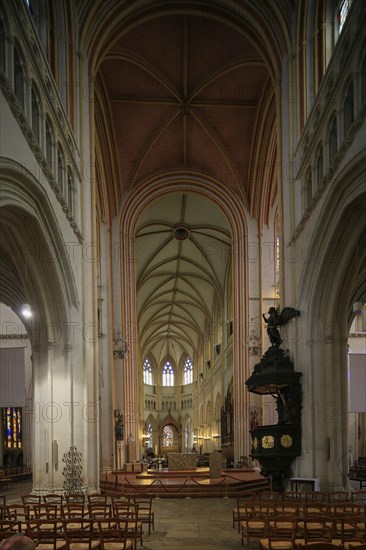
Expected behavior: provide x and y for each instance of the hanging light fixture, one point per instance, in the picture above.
(120, 350)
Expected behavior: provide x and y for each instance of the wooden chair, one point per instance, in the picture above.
(349, 508)
(97, 498)
(314, 509)
(341, 512)
(287, 508)
(73, 513)
(9, 527)
(48, 512)
(315, 529)
(239, 511)
(119, 497)
(45, 535)
(358, 496)
(318, 496)
(281, 532)
(320, 546)
(337, 496)
(18, 512)
(129, 511)
(353, 530)
(72, 510)
(80, 534)
(298, 496)
(98, 510)
(269, 499)
(53, 498)
(253, 527)
(113, 534)
(75, 497)
(145, 511)
(31, 499)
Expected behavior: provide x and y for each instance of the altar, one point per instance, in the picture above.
(181, 461)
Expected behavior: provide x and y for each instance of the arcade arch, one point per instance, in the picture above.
(134, 206)
(332, 282)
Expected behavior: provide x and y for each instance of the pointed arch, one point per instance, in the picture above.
(213, 190)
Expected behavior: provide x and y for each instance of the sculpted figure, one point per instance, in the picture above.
(276, 319)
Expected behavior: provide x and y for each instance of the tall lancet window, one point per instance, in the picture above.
(12, 425)
(188, 371)
(168, 436)
(168, 374)
(147, 370)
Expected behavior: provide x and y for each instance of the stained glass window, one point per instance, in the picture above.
(12, 420)
(188, 371)
(168, 436)
(168, 374)
(147, 370)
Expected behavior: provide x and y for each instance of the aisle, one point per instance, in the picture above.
(196, 524)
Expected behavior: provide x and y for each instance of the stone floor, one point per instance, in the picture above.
(197, 524)
(180, 523)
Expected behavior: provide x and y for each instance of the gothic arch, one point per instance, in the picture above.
(333, 279)
(36, 269)
(214, 190)
(23, 197)
(269, 32)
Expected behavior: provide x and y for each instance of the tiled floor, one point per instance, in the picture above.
(180, 523)
(197, 524)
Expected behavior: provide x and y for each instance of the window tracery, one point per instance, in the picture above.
(168, 436)
(147, 371)
(188, 371)
(168, 374)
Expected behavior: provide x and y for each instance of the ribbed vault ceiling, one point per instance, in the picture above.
(183, 246)
(183, 92)
(187, 92)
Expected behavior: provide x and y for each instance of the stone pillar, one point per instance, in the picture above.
(119, 455)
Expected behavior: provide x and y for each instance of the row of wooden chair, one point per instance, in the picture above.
(296, 508)
(294, 531)
(76, 534)
(136, 509)
(55, 498)
(306, 496)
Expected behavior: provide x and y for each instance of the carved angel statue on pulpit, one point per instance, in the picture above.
(276, 319)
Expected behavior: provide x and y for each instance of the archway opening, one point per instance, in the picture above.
(184, 308)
